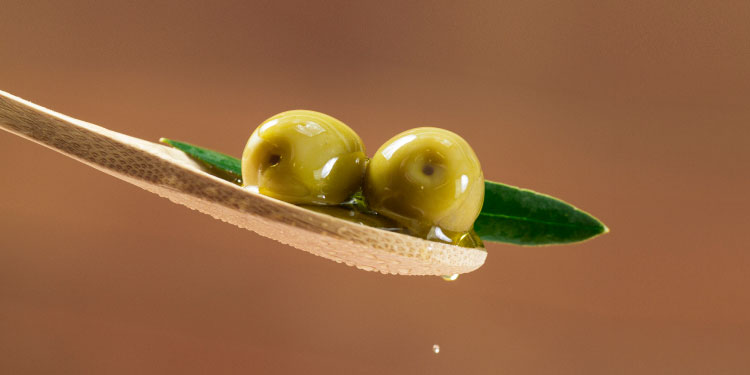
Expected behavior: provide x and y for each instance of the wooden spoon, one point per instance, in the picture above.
(173, 175)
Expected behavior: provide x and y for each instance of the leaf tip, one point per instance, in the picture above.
(166, 141)
(602, 228)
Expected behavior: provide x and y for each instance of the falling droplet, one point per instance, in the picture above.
(436, 348)
(450, 277)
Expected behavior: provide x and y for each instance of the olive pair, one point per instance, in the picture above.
(420, 178)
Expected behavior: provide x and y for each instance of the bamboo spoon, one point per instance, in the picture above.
(173, 175)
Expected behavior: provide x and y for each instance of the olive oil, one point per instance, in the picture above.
(360, 214)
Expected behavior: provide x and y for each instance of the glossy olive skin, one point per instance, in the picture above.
(304, 157)
(426, 177)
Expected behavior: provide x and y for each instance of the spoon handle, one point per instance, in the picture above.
(106, 150)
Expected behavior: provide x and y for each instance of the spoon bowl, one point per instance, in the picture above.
(171, 174)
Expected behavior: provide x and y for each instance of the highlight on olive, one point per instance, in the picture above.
(304, 157)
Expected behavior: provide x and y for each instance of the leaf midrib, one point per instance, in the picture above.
(553, 223)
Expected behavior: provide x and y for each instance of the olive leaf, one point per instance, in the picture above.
(218, 164)
(509, 214)
(524, 217)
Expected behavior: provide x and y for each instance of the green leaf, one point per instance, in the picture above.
(509, 214)
(218, 164)
(524, 217)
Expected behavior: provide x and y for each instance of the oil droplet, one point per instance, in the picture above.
(436, 348)
(450, 277)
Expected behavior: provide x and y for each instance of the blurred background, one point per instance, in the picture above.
(636, 112)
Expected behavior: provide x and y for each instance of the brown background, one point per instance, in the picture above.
(637, 112)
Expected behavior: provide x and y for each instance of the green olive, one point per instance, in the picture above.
(426, 177)
(304, 157)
